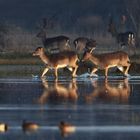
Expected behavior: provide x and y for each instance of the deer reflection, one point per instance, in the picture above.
(117, 92)
(56, 92)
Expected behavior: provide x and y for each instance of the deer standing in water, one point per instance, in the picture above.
(105, 61)
(56, 61)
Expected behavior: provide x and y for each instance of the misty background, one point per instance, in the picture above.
(21, 20)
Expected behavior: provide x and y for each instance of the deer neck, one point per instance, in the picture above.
(44, 58)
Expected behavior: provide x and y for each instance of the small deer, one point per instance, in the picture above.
(125, 38)
(60, 60)
(105, 61)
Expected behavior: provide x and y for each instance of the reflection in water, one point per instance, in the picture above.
(107, 92)
(104, 109)
(99, 92)
(57, 92)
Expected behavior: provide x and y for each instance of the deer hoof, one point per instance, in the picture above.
(93, 75)
(127, 75)
(74, 76)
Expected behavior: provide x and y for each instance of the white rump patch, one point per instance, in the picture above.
(61, 66)
(71, 69)
(120, 68)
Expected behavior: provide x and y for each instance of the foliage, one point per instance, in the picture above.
(16, 39)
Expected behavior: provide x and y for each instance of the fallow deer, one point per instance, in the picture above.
(126, 39)
(123, 38)
(105, 61)
(80, 43)
(56, 61)
(54, 44)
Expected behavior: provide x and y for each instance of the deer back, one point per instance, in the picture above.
(106, 59)
(54, 44)
(65, 57)
(80, 43)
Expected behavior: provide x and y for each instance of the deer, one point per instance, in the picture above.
(125, 38)
(106, 61)
(53, 44)
(56, 61)
(80, 43)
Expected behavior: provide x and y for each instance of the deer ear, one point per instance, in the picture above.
(92, 50)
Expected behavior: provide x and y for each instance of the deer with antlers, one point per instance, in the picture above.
(56, 61)
(106, 61)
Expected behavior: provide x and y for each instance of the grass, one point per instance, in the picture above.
(19, 59)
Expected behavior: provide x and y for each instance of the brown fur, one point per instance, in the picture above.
(56, 61)
(108, 60)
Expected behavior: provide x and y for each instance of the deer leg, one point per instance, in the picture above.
(126, 71)
(106, 72)
(55, 73)
(93, 71)
(45, 71)
(74, 71)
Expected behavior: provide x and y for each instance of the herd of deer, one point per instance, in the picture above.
(68, 58)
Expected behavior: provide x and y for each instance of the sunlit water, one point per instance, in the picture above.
(98, 108)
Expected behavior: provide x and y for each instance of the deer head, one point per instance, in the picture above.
(87, 54)
(38, 51)
(90, 45)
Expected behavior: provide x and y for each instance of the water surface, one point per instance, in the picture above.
(98, 108)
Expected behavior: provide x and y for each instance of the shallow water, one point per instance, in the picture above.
(98, 108)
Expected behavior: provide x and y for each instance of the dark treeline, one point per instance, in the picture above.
(22, 21)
